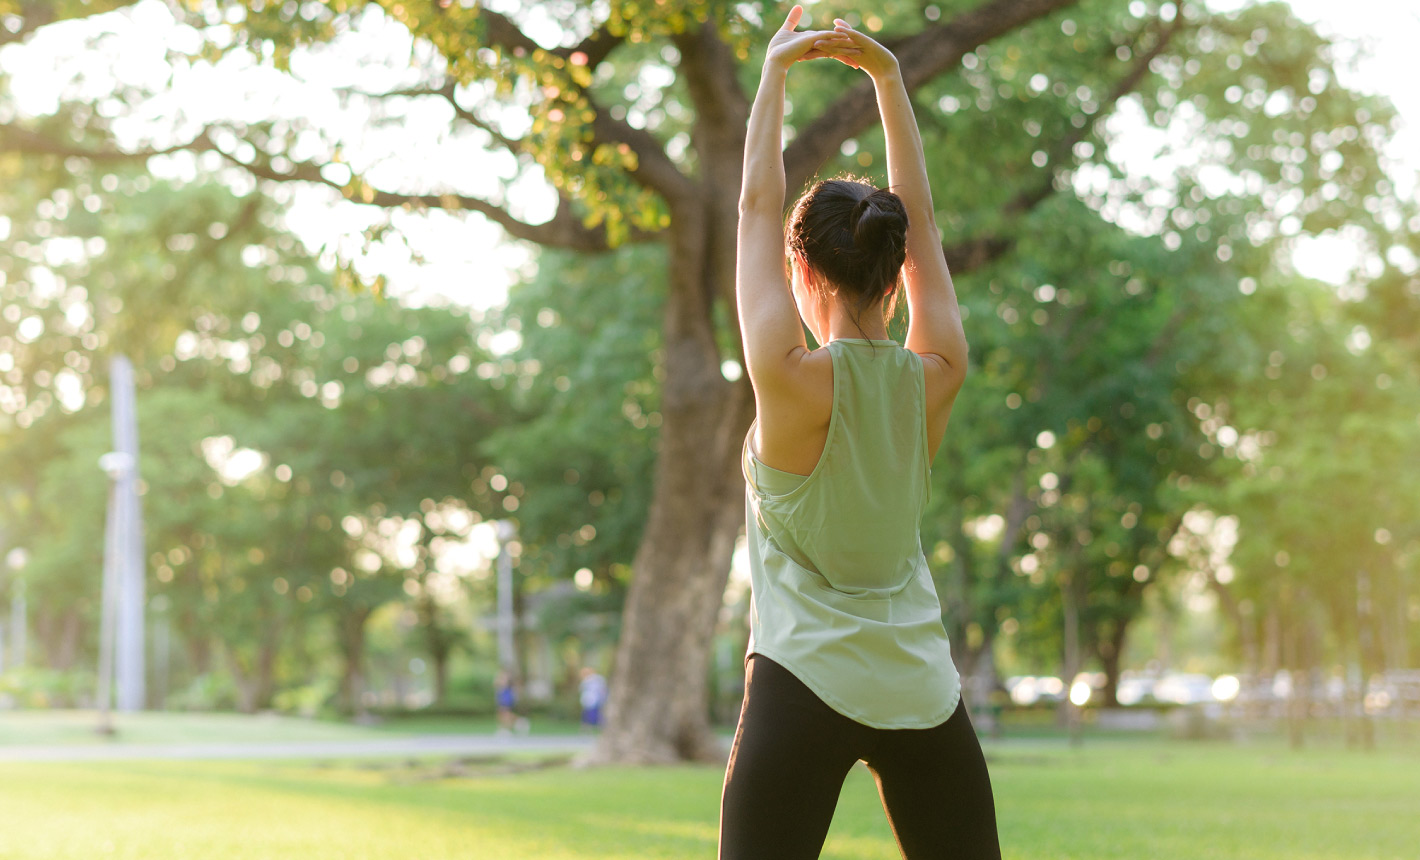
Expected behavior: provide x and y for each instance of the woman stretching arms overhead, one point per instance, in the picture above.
(848, 658)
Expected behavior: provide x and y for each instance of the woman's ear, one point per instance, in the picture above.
(810, 278)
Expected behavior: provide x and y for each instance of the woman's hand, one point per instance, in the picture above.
(789, 47)
(864, 53)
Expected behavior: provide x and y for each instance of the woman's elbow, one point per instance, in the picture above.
(754, 201)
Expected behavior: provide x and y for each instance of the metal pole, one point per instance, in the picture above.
(18, 632)
(129, 669)
(507, 658)
(106, 615)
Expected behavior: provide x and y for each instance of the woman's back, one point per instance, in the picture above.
(854, 519)
(841, 594)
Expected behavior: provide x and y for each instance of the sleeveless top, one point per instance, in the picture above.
(841, 594)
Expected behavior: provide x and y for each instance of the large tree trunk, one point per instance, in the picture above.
(197, 641)
(1111, 653)
(975, 661)
(1242, 623)
(1299, 700)
(1272, 658)
(1352, 627)
(1394, 624)
(980, 676)
(58, 636)
(351, 623)
(1072, 593)
(256, 684)
(68, 640)
(658, 708)
(439, 643)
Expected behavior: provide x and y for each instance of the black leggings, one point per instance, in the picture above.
(792, 753)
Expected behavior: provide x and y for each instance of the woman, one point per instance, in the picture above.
(848, 656)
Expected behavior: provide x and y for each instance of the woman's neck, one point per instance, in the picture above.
(869, 324)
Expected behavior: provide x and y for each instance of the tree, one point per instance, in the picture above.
(241, 346)
(1325, 568)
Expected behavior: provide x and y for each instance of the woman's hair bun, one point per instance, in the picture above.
(879, 219)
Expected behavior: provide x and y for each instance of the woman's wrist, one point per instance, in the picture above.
(779, 70)
(891, 74)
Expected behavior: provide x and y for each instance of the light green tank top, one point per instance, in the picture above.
(841, 595)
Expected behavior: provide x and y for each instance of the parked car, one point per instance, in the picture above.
(1135, 689)
(1184, 688)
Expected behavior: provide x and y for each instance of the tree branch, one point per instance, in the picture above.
(29, 22)
(22, 140)
(921, 58)
(446, 92)
(968, 254)
(564, 230)
(654, 169)
(710, 73)
(503, 32)
(1061, 153)
(596, 47)
(32, 16)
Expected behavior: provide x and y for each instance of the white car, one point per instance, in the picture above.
(1184, 688)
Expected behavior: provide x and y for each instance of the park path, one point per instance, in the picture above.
(472, 745)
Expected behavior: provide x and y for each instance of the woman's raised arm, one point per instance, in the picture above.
(769, 321)
(934, 327)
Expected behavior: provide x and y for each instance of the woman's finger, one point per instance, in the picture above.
(807, 39)
(793, 20)
(816, 53)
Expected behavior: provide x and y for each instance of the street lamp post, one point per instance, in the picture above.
(129, 664)
(116, 464)
(19, 627)
(507, 659)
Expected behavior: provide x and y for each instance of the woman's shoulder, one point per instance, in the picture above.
(793, 420)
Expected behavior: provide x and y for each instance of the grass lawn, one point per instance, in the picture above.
(65, 728)
(1142, 800)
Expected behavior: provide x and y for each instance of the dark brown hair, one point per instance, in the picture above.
(854, 236)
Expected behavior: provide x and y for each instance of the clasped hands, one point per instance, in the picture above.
(842, 43)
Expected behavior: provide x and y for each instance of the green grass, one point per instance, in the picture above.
(1126, 799)
(65, 728)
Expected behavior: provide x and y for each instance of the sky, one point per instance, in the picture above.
(467, 260)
